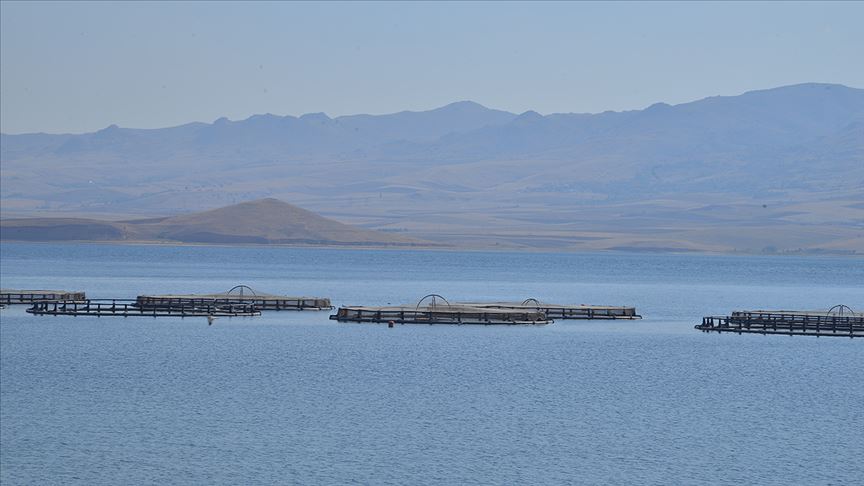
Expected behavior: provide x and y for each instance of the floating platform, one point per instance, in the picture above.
(129, 308)
(240, 294)
(435, 312)
(558, 311)
(838, 321)
(11, 296)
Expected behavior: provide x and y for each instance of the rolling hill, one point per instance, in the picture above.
(265, 221)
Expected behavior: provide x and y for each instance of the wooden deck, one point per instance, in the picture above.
(455, 314)
(13, 296)
(240, 294)
(804, 323)
(129, 308)
(434, 309)
(558, 311)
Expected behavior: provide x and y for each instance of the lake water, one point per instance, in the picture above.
(296, 398)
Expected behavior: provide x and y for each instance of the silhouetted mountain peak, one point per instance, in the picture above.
(658, 107)
(805, 87)
(315, 118)
(109, 129)
(266, 118)
(529, 117)
(462, 106)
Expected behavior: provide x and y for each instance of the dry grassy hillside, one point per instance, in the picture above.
(265, 221)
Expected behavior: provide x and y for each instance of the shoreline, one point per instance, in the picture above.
(851, 254)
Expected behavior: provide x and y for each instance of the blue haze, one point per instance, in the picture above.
(81, 66)
(296, 398)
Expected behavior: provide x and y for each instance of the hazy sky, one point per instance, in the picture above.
(75, 67)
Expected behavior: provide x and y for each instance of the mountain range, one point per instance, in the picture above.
(776, 170)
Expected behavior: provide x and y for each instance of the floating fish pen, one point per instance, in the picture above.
(9, 296)
(840, 320)
(129, 308)
(241, 294)
(558, 311)
(430, 311)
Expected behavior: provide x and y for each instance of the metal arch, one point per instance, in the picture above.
(241, 287)
(434, 300)
(839, 309)
(530, 300)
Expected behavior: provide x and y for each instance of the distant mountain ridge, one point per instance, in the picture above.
(465, 172)
(297, 134)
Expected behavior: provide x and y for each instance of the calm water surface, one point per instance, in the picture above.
(296, 398)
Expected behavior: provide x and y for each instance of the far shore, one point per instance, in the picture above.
(451, 248)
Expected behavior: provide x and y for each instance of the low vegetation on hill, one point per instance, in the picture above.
(265, 221)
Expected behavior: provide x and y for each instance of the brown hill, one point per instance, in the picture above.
(264, 221)
(59, 229)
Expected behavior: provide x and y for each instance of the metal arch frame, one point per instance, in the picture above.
(434, 297)
(536, 302)
(241, 287)
(840, 308)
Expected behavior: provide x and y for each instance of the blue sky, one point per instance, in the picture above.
(76, 67)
